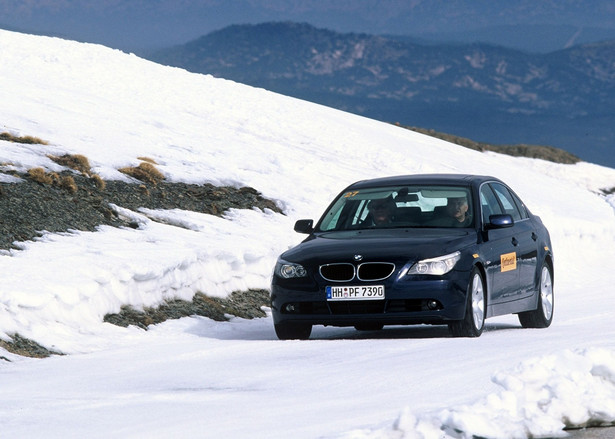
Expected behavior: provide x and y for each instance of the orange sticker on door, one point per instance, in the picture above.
(508, 261)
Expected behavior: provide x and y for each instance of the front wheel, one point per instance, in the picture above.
(473, 322)
(293, 331)
(542, 316)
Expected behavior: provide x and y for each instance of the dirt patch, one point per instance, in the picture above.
(245, 304)
(30, 207)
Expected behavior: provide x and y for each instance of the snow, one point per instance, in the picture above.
(200, 378)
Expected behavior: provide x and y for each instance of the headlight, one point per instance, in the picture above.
(437, 266)
(289, 270)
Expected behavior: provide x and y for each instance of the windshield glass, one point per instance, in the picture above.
(405, 206)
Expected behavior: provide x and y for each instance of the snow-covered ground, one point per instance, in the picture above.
(198, 378)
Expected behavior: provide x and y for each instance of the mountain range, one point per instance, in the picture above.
(484, 92)
(134, 25)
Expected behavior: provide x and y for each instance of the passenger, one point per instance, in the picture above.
(454, 215)
(457, 210)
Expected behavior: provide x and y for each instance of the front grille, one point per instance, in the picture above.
(357, 307)
(342, 272)
(374, 307)
(375, 270)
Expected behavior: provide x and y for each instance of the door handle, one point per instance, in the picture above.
(534, 236)
(514, 241)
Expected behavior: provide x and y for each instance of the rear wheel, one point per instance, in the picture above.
(473, 322)
(542, 316)
(293, 331)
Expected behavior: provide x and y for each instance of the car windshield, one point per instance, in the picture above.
(405, 206)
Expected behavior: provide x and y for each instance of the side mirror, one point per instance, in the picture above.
(500, 221)
(304, 226)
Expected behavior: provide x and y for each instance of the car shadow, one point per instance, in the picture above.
(398, 332)
(262, 329)
(388, 332)
(501, 327)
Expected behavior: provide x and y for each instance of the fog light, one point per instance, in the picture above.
(432, 304)
(290, 307)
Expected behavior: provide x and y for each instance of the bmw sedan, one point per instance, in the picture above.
(421, 249)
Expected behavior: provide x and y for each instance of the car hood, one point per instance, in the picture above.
(379, 245)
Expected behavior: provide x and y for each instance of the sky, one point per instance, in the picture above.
(196, 377)
(135, 25)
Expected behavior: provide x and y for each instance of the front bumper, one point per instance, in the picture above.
(415, 300)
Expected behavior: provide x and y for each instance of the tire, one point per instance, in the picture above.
(293, 331)
(369, 326)
(473, 322)
(542, 316)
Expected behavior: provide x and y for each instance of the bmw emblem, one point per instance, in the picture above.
(358, 257)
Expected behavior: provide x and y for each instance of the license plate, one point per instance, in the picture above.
(372, 292)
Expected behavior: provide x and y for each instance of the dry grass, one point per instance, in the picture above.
(53, 179)
(148, 160)
(100, 183)
(77, 162)
(40, 176)
(26, 139)
(68, 183)
(145, 172)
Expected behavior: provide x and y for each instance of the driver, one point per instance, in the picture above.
(382, 211)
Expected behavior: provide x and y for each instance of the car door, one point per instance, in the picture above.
(498, 251)
(523, 240)
(527, 244)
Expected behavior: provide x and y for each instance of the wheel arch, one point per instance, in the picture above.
(486, 284)
(549, 260)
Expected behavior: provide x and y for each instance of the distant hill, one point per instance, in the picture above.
(555, 155)
(135, 25)
(488, 93)
(535, 38)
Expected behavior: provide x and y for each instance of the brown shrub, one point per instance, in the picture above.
(39, 175)
(148, 160)
(145, 172)
(55, 178)
(67, 182)
(100, 183)
(26, 139)
(77, 162)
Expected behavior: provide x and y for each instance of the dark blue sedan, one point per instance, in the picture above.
(420, 249)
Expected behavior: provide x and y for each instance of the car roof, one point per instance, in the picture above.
(435, 179)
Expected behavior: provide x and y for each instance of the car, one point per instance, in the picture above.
(439, 249)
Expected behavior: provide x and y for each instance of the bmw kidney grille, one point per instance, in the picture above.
(368, 271)
(375, 270)
(337, 272)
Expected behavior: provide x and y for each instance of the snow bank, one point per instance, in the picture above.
(537, 398)
(81, 276)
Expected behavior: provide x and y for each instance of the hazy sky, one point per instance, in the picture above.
(157, 23)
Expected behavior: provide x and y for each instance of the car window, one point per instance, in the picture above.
(489, 203)
(405, 206)
(507, 201)
(520, 206)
